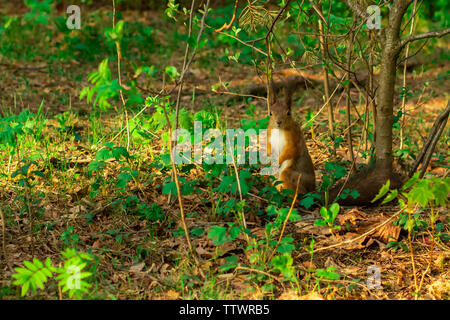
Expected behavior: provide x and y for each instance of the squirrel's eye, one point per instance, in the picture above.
(289, 113)
(270, 113)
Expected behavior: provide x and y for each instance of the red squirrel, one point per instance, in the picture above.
(286, 143)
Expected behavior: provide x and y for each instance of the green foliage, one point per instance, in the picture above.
(134, 205)
(158, 121)
(220, 235)
(395, 245)
(328, 216)
(416, 192)
(34, 275)
(424, 192)
(114, 173)
(334, 171)
(29, 200)
(69, 238)
(39, 11)
(283, 263)
(328, 274)
(171, 9)
(104, 157)
(103, 89)
(115, 34)
(72, 277)
(14, 130)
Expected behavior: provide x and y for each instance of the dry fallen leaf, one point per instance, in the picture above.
(311, 296)
(202, 252)
(137, 267)
(171, 295)
(352, 215)
(309, 265)
(388, 232)
(439, 288)
(289, 295)
(369, 228)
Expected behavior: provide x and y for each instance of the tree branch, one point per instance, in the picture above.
(431, 34)
(357, 9)
(228, 25)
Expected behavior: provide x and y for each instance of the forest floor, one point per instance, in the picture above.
(137, 258)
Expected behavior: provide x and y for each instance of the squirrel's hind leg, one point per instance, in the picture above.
(289, 177)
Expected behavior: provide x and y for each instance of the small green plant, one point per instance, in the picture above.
(395, 245)
(325, 275)
(424, 194)
(104, 88)
(71, 275)
(220, 235)
(132, 204)
(29, 199)
(283, 263)
(102, 158)
(328, 217)
(69, 238)
(15, 129)
(334, 172)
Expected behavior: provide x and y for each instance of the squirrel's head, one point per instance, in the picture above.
(280, 110)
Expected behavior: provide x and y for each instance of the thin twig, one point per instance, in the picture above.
(227, 26)
(286, 219)
(411, 249)
(402, 108)
(326, 82)
(435, 131)
(119, 57)
(261, 272)
(348, 97)
(180, 201)
(186, 66)
(5, 254)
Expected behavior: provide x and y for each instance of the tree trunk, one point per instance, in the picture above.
(386, 90)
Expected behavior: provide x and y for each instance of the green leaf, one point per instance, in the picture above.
(103, 154)
(440, 189)
(172, 72)
(320, 223)
(234, 232)
(120, 151)
(231, 262)
(197, 232)
(328, 274)
(170, 187)
(295, 216)
(122, 180)
(307, 202)
(285, 248)
(25, 288)
(383, 190)
(218, 235)
(334, 209)
(324, 213)
(355, 194)
(30, 265)
(283, 263)
(119, 29)
(411, 181)
(421, 193)
(391, 196)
